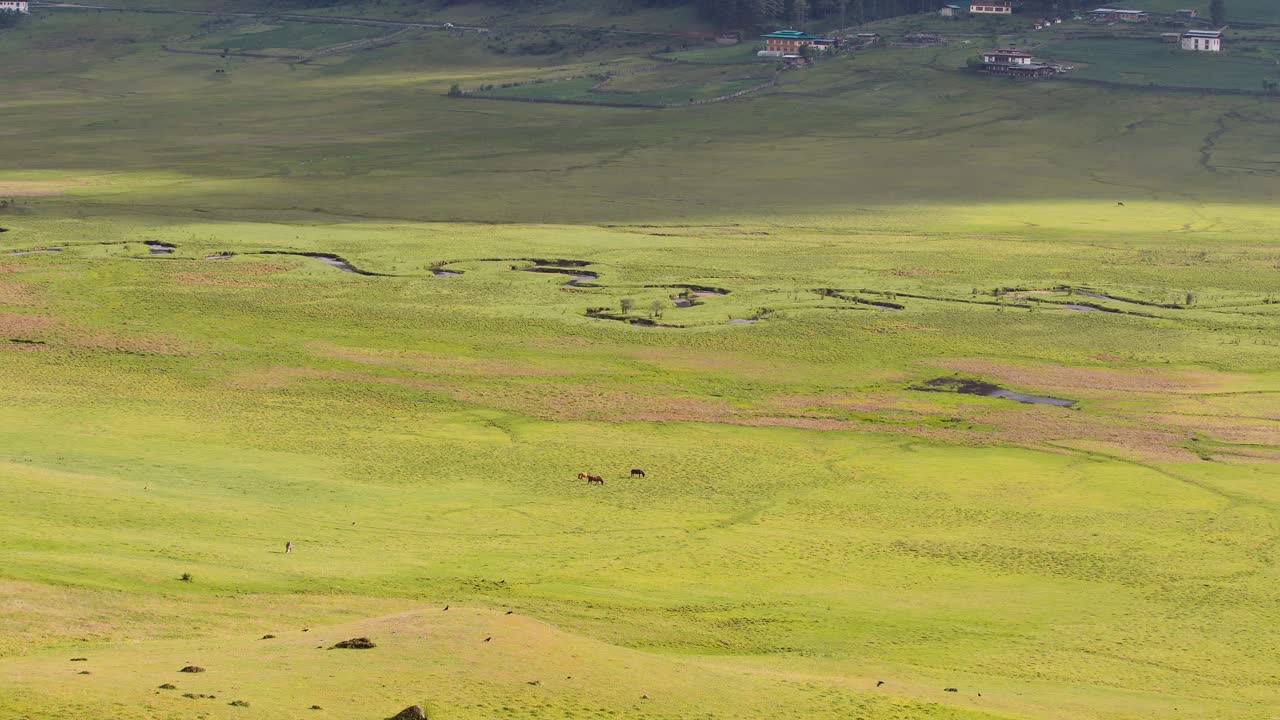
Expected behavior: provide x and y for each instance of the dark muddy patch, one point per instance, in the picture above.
(844, 295)
(360, 643)
(691, 293)
(557, 262)
(328, 259)
(577, 278)
(698, 290)
(4, 230)
(629, 319)
(1118, 298)
(967, 386)
(156, 247)
(34, 251)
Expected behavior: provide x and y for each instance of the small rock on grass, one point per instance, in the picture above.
(79, 659)
(168, 686)
(238, 703)
(268, 636)
(192, 669)
(413, 712)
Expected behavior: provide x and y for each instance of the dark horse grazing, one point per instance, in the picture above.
(591, 479)
(637, 472)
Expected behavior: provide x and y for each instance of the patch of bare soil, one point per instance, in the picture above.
(1059, 377)
(37, 188)
(435, 364)
(13, 292)
(196, 278)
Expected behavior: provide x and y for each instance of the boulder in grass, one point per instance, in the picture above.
(360, 643)
(413, 712)
(168, 686)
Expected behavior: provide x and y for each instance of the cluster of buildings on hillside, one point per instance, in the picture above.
(1194, 40)
(19, 6)
(797, 46)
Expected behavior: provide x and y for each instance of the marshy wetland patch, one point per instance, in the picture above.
(967, 386)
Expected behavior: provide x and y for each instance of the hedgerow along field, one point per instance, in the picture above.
(820, 532)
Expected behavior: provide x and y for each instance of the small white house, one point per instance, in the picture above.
(991, 7)
(14, 6)
(1202, 40)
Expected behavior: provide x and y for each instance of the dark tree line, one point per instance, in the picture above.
(754, 14)
(9, 18)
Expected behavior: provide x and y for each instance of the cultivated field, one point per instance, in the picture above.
(827, 526)
(1148, 61)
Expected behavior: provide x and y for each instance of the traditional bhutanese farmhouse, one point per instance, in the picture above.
(954, 10)
(991, 7)
(1014, 63)
(14, 6)
(789, 42)
(1202, 40)
(1121, 15)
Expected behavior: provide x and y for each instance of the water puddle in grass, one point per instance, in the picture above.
(741, 321)
(218, 256)
(966, 386)
(597, 314)
(577, 277)
(327, 259)
(436, 272)
(691, 293)
(1081, 308)
(37, 250)
(160, 248)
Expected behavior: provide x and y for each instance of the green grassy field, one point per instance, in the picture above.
(744, 52)
(816, 536)
(301, 36)
(1146, 61)
(650, 88)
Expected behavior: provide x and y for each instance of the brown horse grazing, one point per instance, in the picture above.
(591, 479)
(637, 472)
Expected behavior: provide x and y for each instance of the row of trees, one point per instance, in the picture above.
(796, 13)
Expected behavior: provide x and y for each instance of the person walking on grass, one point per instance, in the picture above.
(288, 547)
